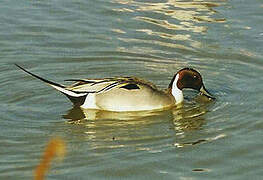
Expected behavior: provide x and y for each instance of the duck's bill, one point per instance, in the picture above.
(203, 91)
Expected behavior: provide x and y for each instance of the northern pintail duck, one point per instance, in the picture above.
(128, 93)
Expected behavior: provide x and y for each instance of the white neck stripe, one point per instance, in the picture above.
(176, 92)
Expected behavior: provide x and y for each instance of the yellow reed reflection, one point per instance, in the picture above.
(56, 147)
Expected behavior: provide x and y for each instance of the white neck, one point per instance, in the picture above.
(176, 92)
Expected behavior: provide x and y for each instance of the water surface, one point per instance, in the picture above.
(149, 39)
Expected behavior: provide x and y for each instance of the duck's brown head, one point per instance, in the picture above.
(189, 78)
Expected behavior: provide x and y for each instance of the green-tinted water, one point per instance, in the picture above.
(83, 39)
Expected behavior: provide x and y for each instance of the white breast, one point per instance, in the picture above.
(90, 102)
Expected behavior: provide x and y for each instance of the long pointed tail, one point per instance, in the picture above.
(76, 97)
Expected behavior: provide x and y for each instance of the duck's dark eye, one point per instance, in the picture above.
(195, 76)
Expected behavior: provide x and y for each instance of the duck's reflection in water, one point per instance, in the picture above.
(79, 115)
(190, 116)
(138, 129)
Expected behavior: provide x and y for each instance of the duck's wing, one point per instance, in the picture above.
(107, 84)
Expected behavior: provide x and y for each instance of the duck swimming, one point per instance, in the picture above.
(128, 93)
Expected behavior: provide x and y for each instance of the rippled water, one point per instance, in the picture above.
(150, 39)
